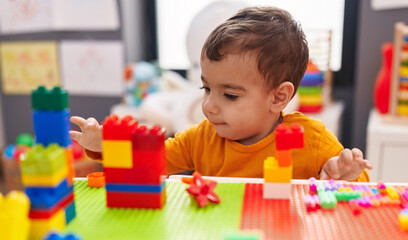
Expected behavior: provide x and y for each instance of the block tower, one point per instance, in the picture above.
(310, 90)
(278, 171)
(47, 169)
(134, 163)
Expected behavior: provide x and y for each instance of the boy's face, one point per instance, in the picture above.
(235, 100)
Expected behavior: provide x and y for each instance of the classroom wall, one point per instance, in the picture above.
(15, 110)
(375, 28)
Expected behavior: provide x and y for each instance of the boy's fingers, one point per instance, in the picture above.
(367, 164)
(75, 135)
(324, 176)
(345, 160)
(92, 122)
(331, 169)
(78, 121)
(357, 153)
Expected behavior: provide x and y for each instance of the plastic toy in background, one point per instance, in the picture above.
(403, 219)
(202, 190)
(310, 90)
(14, 221)
(141, 79)
(383, 80)
(77, 151)
(278, 172)
(134, 163)
(398, 108)
(57, 236)
(96, 179)
(23, 143)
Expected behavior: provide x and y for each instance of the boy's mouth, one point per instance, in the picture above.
(217, 123)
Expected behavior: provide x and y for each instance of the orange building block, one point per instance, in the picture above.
(284, 158)
(96, 179)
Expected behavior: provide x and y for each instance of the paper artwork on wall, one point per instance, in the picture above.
(92, 67)
(23, 16)
(26, 65)
(19, 16)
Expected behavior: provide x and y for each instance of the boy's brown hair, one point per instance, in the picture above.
(278, 41)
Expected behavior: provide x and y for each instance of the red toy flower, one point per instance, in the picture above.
(203, 190)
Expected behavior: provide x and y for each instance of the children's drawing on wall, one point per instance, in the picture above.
(17, 16)
(92, 68)
(25, 65)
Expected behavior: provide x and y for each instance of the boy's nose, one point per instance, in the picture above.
(210, 105)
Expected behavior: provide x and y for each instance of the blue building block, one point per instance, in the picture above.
(47, 197)
(52, 127)
(142, 188)
(56, 236)
(70, 212)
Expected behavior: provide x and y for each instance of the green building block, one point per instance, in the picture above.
(320, 187)
(51, 100)
(25, 139)
(347, 195)
(327, 200)
(43, 161)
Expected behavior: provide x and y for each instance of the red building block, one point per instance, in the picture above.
(135, 200)
(48, 213)
(118, 129)
(288, 138)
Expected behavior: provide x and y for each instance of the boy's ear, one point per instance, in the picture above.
(281, 96)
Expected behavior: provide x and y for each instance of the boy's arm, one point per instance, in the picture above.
(178, 153)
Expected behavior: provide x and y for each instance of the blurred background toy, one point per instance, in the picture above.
(383, 80)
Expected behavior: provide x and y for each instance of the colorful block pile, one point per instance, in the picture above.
(402, 107)
(326, 195)
(134, 163)
(278, 171)
(47, 169)
(14, 221)
(310, 90)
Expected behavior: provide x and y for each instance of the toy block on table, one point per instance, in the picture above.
(117, 153)
(52, 127)
(96, 179)
(203, 191)
(276, 190)
(50, 100)
(40, 227)
(275, 173)
(14, 221)
(57, 236)
(43, 161)
(115, 128)
(289, 138)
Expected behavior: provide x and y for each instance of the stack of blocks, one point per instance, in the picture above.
(278, 172)
(47, 169)
(14, 221)
(134, 163)
(310, 90)
(402, 107)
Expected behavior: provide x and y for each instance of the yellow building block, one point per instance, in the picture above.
(403, 222)
(14, 221)
(117, 154)
(40, 227)
(44, 180)
(275, 174)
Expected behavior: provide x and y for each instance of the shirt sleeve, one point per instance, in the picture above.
(178, 152)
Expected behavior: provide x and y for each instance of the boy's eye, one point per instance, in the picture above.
(230, 96)
(207, 89)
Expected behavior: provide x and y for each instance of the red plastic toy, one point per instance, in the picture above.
(203, 191)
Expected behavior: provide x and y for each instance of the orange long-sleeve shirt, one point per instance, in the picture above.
(200, 148)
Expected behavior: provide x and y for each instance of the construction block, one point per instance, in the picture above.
(203, 190)
(135, 175)
(289, 138)
(14, 221)
(50, 100)
(347, 195)
(69, 161)
(274, 173)
(45, 180)
(46, 213)
(312, 203)
(52, 127)
(284, 158)
(147, 139)
(117, 154)
(276, 190)
(46, 197)
(327, 199)
(135, 200)
(142, 188)
(40, 227)
(96, 179)
(70, 212)
(312, 186)
(115, 128)
(56, 236)
(43, 161)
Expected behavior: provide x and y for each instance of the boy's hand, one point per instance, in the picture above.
(348, 166)
(91, 136)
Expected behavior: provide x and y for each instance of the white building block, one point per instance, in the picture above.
(276, 190)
